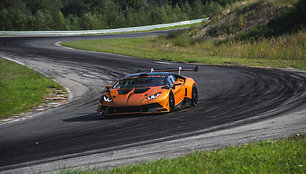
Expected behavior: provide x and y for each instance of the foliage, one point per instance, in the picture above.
(283, 47)
(245, 36)
(255, 33)
(98, 14)
(253, 20)
(288, 20)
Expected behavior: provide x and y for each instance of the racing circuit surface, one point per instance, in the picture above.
(236, 105)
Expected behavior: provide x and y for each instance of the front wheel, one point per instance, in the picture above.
(194, 100)
(103, 115)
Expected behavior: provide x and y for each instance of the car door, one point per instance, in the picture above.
(177, 89)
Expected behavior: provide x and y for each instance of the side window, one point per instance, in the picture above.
(171, 79)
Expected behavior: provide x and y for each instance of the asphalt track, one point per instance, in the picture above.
(236, 105)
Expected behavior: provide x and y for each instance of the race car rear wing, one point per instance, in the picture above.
(179, 69)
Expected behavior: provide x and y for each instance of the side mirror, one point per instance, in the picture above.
(109, 86)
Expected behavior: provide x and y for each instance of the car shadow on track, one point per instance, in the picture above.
(95, 117)
(87, 117)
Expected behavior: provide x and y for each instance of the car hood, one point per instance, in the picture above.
(132, 96)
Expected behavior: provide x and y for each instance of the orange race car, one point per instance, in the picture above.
(155, 92)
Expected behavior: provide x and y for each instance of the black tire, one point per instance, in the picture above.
(194, 99)
(101, 116)
(171, 102)
(104, 117)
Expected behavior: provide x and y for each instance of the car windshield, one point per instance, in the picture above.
(140, 82)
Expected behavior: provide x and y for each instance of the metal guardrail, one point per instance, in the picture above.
(103, 31)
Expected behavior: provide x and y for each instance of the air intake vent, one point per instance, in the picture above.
(140, 90)
(124, 91)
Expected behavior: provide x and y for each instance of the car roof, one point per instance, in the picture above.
(149, 74)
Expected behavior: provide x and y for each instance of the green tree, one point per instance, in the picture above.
(5, 23)
(43, 20)
(59, 21)
(197, 9)
(97, 14)
(91, 21)
(72, 22)
(159, 15)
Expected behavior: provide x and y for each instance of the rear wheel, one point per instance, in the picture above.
(171, 102)
(194, 100)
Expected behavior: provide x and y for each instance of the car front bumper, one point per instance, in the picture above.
(149, 108)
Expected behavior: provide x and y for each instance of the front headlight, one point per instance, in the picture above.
(153, 96)
(107, 99)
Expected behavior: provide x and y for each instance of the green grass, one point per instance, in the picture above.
(286, 52)
(282, 156)
(21, 88)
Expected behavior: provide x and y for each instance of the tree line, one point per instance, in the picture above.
(100, 14)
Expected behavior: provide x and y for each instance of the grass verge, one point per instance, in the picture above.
(21, 88)
(282, 156)
(238, 54)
